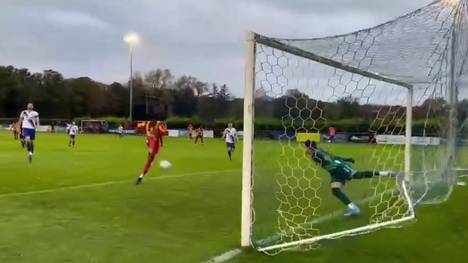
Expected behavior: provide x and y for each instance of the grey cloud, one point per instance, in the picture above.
(74, 19)
(202, 38)
(341, 6)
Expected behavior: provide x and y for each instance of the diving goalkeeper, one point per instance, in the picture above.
(340, 170)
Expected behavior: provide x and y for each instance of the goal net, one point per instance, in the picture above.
(393, 87)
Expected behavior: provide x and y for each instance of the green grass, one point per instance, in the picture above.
(189, 213)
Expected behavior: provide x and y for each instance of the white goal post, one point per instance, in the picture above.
(247, 156)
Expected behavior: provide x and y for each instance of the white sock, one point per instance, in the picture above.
(384, 173)
(141, 176)
(30, 153)
(352, 206)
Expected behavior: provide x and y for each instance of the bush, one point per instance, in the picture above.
(267, 124)
(176, 122)
(222, 123)
(113, 121)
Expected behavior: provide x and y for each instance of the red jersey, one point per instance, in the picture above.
(154, 135)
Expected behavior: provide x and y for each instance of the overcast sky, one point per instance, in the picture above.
(203, 38)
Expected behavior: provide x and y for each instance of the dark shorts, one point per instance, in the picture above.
(31, 133)
(72, 136)
(231, 145)
(340, 176)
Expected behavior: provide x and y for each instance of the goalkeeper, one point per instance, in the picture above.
(341, 171)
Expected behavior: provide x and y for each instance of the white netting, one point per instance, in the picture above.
(309, 85)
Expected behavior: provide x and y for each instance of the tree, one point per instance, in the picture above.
(198, 87)
(223, 93)
(161, 79)
(348, 107)
(118, 97)
(185, 102)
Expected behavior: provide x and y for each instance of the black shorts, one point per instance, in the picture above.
(340, 177)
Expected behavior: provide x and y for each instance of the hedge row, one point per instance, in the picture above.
(112, 120)
(346, 125)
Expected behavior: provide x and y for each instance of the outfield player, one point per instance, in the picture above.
(230, 134)
(72, 131)
(332, 132)
(120, 131)
(190, 131)
(154, 142)
(21, 135)
(199, 134)
(29, 120)
(340, 170)
(15, 128)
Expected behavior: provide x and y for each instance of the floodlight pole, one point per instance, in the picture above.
(130, 114)
(247, 160)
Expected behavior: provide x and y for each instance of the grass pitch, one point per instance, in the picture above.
(81, 205)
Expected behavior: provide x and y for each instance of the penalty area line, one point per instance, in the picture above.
(73, 187)
(225, 256)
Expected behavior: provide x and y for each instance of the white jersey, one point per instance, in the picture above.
(73, 130)
(30, 119)
(120, 129)
(231, 135)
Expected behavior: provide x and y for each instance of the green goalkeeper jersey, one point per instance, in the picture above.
(339, 168)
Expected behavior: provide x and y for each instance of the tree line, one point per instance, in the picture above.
(185, 99)
(157, 94)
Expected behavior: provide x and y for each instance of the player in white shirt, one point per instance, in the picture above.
(120, 131)
(29, 120)
(230, 134)
(72, 131)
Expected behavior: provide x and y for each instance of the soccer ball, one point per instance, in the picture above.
(165, 164)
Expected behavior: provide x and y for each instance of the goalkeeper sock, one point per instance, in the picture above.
(365, 174)
(388, 173)
(341, 196)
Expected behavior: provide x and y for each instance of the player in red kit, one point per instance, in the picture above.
(154, 140)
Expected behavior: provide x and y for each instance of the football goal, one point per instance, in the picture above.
(396, 85)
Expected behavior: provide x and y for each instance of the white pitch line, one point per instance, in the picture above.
(225, 256)
(73, 187)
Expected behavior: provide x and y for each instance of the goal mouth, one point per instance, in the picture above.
(376, 100)
(275, 243)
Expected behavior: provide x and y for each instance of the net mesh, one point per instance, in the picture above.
(425, 50)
